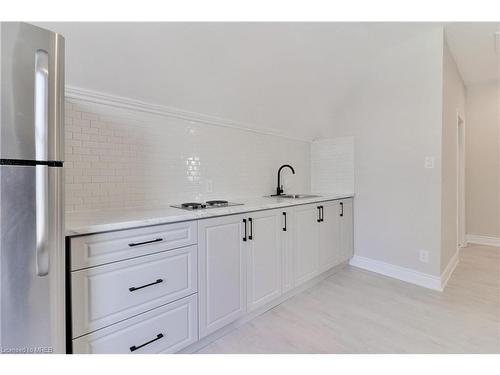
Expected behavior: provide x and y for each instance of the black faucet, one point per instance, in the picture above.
(279, 189)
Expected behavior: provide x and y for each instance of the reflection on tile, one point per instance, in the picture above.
(193, 168)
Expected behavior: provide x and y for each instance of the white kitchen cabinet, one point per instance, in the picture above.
(264, 259)
(222, 271)
(107, 294)
(305, 242)
(161, 288)
(287, 250)
(346, 229)
(322, 238)
(329, 235)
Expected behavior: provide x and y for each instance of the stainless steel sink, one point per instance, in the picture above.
(296, 196)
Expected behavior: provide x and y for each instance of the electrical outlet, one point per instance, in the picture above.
(424, 256)
(209, 186)
(429, 162)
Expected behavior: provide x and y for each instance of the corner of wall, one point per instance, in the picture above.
(453, 101)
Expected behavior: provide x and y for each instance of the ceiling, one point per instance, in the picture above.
(266, 75)
(472, 44)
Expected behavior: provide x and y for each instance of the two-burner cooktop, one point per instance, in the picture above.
(208, 204)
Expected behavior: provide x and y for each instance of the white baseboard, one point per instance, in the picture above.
(483, 240)
(450, 267)
(397, 272)
(407, 274)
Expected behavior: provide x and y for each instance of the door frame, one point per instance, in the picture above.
(460, 158)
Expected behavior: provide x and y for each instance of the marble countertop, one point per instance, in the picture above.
(87, 222)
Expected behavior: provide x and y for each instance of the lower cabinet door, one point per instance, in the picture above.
(287, 250)
(264, 259)
(166, 329)
(329, 236)
(306, 243)
(346, 229)
(222, 271)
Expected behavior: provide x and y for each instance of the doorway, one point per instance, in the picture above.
(461, 241)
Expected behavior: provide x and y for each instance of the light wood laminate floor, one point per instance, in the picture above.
(356, 311)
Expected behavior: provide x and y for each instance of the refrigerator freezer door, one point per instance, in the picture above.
(32, 93)
(32, 306)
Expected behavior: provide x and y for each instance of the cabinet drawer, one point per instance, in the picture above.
(166, 329)
(107, 294)
(97, 249)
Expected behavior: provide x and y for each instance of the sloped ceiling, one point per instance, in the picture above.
(284, 76)
(473, 47)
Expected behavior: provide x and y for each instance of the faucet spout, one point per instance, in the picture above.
(279, 188)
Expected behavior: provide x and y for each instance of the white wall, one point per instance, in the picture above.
(453, 102)
(482, 159)
(395, 115)
(117, 158)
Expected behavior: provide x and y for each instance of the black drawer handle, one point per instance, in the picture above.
(245, 225)
(250, 237)
(284, 215)
(134, 348)
(145, 286)
(145, 242)
(341, 209)
(319, 214)
(322, 213)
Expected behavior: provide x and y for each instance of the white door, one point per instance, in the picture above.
(329, 235)
(264, 257)
(306, 242)
(346, 229)
(222, 271)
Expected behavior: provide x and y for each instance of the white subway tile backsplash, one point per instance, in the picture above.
(89, 116)
(84, 124)
(332, 166)
(133, 159)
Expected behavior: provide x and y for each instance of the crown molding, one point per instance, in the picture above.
(115, 101)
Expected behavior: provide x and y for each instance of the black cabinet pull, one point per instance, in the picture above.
(145, 242)
(134, 348)
(134, 288)
(319, 214)
(245, 225)
(250, 237)
(341, 209)
(322, 218)
(284, 215)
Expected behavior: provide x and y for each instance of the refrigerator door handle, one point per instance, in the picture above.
(42, 220)
(41, 98)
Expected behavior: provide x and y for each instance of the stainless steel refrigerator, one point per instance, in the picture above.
(31, 189)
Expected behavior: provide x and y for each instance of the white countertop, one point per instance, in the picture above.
(108, 220)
